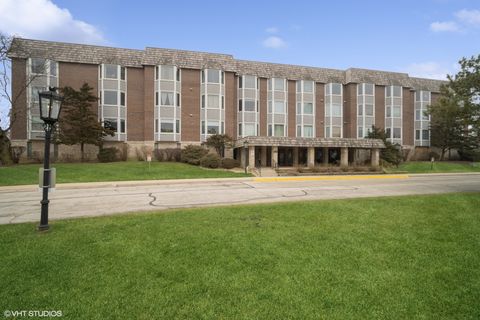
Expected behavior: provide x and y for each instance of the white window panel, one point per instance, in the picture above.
(279, 130)
(110, 71)
(213, 101)
(166, 98)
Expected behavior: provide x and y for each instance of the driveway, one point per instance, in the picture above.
(22, 203)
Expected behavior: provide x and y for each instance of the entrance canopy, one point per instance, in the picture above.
(310, 142)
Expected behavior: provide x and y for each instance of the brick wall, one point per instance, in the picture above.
(320, 110)
(19, 97)
(190, 105)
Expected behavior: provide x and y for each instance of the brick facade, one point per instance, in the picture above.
(78, 65)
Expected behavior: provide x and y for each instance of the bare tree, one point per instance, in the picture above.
(9, 107)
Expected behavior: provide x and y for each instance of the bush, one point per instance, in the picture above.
(107, 154)
(469, 155)
(229, 163)
(16, 153)
(192, 154)
(210, 160)
(124, 152)
(168, 154)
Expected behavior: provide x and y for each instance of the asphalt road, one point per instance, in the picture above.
(22, 203)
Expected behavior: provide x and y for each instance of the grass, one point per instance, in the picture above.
(115, 171)
(438, 167)
(385, 258)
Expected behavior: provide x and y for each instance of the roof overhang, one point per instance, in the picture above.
(310, 142)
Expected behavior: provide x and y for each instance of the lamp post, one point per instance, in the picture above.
(50, 103)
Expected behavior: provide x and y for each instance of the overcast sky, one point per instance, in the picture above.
(423, 38)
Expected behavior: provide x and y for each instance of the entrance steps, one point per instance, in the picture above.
(265, 172)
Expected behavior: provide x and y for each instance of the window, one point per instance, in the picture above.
(279, 107)
(156, 98)
(397, 133)
(111, 124)
(425, 116)
(203, 101)
(388, 133)
(327, 132)
(35, 91)
(369, 89)
(110, 71)
(360, 109)
(389, 112)
(157, 71)
(122, 98)
(269, 106)
(122, 126)
(369, 109)
(299, 85)
(269, 130)
(212, 127)
(279, 84)
(178, 74)
(177, 122)
(397, 91)
(213, 101)
(203, 127)
(279, 130)
(336, 88)
(167, 73)
(166, 126)
(418, 114)
(240, 82)
(417, 134)
(308, 131)
(307, 86)
(250, 82)
(166, 98)
(177, 103)
(336, 110)
(308, 108)
(397, 111)
(53, 68)
(336, 132)
(39, 66)
(425, 135)
(122, 73)
(213, 76)
(37, 124)
(360, 132)
(110, 97)
(249, 129)
(249, 105)
(425, 96)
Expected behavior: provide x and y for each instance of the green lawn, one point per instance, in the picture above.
(438, 167)
(115, 171)
(384, 258)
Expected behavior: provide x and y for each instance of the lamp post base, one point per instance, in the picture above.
(43, 227)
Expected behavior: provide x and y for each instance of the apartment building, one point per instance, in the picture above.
(280, 114)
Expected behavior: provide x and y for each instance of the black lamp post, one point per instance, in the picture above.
(50, 104)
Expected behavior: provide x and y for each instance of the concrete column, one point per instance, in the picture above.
(311, 157)
(274, 156)
(375, 158)
(263, 156)
(251, 157)
(295, 156)
(325, 156)
(243, 158)
(344, 157)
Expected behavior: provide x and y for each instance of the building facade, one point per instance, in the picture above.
(163, 98)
